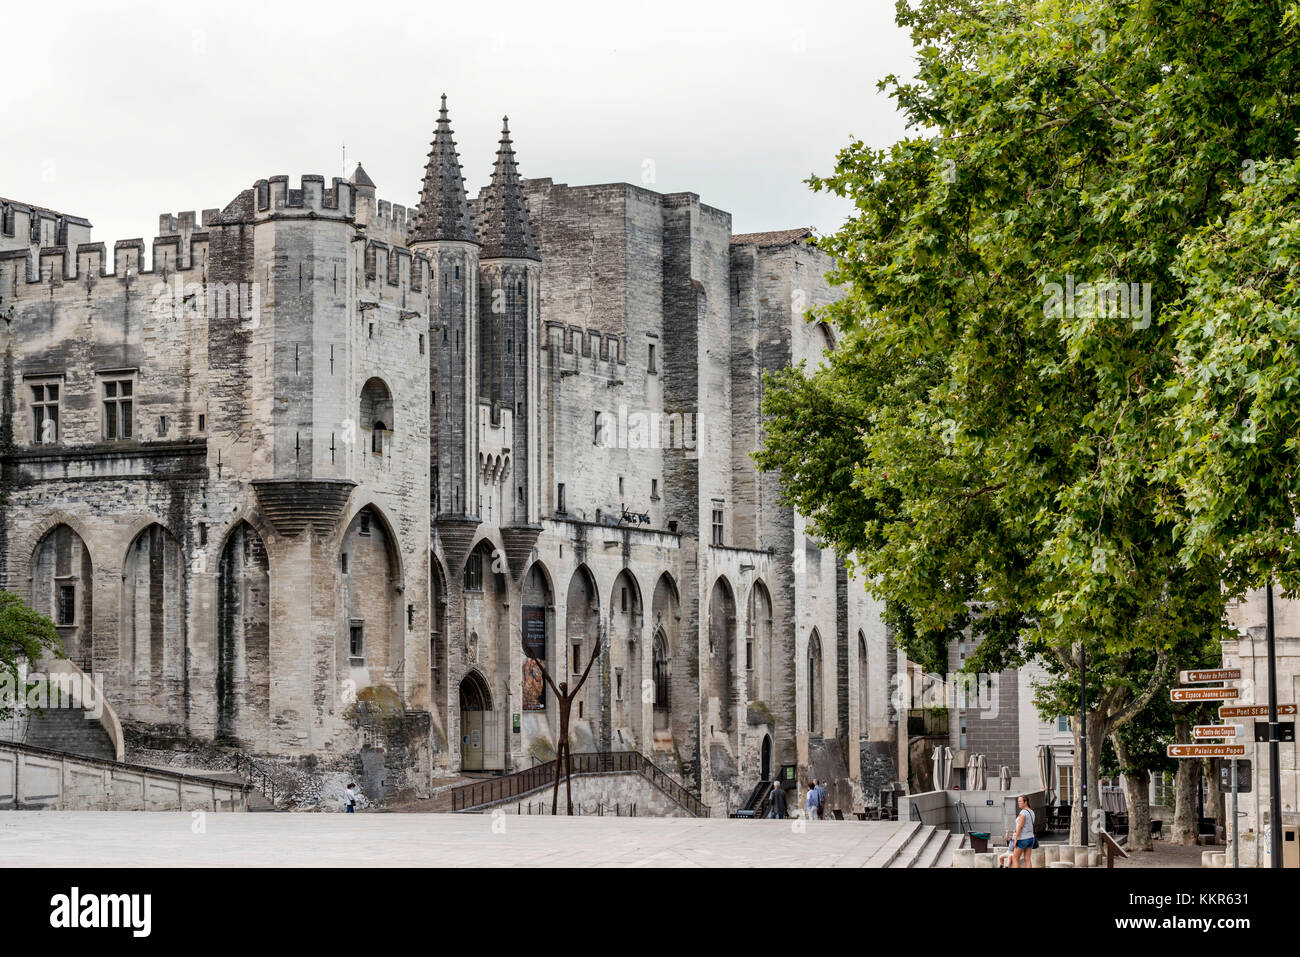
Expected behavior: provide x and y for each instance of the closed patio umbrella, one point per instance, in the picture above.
(1005, 776)
(972, 769)
(981, 772)
(1046, 762)
(936, 770)
(947, 768)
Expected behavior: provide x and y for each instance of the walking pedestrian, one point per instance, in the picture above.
(350, 797)
(811, 804)
(821, 800)
(1024, 835)
(778, 802)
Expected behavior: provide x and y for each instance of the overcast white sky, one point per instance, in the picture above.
(118, 112)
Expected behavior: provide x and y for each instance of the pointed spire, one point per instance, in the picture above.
(503, 220)
(444, 204)
(361, 178)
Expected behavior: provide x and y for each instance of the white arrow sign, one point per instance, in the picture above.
(1216, 731)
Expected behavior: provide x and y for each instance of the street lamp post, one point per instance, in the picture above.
(1274, 767)
(1083, 739)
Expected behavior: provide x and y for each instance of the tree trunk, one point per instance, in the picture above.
(1139, 811)
(1098, 726)
(560, 752)
(1214, 799)
(568, 778)
(1186, 782)
(1076, 803)
(1139, 808)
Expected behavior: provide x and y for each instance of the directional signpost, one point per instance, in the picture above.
(1200, 677)
(1206, 751)
(1204, 694)
(1253, 710)
(1222, 732)
(1216, 731)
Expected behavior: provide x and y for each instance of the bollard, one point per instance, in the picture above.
(1060, 864)
(1038, 857)
(1051, 853)
(963, 857)
(1081, 855)
(986, 859)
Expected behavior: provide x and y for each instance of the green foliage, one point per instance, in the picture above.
(26, 636)
(1235, 402)
(995, 456)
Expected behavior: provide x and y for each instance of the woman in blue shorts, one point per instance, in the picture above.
(1024, 836)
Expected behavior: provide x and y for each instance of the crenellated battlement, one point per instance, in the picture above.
(36, 226)
(274, 196)
(393, 218)
(581, 342)
(21, 270)
(390, 263)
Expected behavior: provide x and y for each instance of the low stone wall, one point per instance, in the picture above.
(36, 779)
(621, 789)
(939, 808)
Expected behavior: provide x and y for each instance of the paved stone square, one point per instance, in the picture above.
(167, 839)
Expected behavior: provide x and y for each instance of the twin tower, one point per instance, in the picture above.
(484, 301)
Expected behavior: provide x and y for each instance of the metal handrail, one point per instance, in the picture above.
(588, 762)
(250, 768)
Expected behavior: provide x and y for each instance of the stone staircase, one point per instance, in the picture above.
(74, 717)
(925, 846)
(70, 730)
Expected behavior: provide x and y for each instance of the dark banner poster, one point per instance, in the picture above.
(534, 647)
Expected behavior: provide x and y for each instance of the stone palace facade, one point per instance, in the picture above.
(308, 485)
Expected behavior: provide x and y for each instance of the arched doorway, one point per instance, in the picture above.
(476, 726)
(661, 679)
(765, 759)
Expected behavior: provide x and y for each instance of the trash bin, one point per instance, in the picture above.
(979, 841)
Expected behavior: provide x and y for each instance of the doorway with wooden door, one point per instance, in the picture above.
(479, 751)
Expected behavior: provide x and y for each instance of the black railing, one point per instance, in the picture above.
(258, 774)
(598, 809)
(495, 790)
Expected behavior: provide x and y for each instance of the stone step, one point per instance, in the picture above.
(910, 851)
(930, 854)
(950, 845)
(903, 834)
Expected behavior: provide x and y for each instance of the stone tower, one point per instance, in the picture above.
(509, 338)
(444, 232)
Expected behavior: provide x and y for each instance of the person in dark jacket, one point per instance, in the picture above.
(778, 803)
